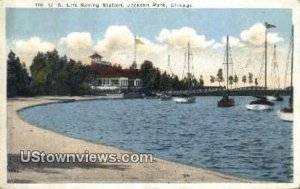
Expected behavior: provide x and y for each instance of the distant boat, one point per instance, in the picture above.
(165, 97)
(226, 101)
(262, 103)
(287, 113)
(271, 98)
(276, 96)
(187, 98)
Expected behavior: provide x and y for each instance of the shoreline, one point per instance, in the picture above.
(23, 136)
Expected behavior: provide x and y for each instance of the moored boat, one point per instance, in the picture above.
(275, 97)
(165, 97)
(286, 114)
(226, 101)
(271, 98)
(188, 98)
(260, 104)
(263, 103)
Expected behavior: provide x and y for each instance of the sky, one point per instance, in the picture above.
(110, 32)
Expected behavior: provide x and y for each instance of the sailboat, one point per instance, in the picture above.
(165, 96)
(286, 114)
(188, 98)
(226, 101)
(275, 96)
(263, 103)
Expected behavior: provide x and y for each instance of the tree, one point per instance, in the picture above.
(201, 81)
(165, 82)
(18, 80)
(147, 70)
(256, 82)
(77, 77)
(235, 80)
(250, 78)
(133, 66)
(220, 77)
(212, 79)
(194, 83)
(176, 83)
(244, 79)
(55, 75)
(230, 80)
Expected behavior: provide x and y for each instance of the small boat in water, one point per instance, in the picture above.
(262, 103)
(275, 98)
(187, 98)
(226, 101)
(165, 97)
(275, 77)
(287, 113)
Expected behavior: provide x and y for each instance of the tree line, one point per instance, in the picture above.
(155, 80)
(52, 74)
(233, 79)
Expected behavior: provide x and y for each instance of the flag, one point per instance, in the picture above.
(138, 41)
(269, 25)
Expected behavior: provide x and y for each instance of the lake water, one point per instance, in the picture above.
(234, 141)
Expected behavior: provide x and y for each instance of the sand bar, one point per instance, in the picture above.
(23, 136)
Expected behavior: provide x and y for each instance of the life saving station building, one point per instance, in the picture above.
(111, 79)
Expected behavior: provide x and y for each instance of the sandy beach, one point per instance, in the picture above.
(23, 136)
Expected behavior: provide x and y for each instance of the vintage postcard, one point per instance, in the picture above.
(153, 93)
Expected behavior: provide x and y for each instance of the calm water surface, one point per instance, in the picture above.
(247, 144)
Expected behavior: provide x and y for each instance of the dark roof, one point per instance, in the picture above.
(95, 55)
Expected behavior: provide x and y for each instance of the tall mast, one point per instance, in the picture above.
(292, 58)
(169, 62)
(134, 61)
(227, 47)
(266, 57)
(188, 61)
(274, 66)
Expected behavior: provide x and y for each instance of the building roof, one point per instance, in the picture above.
(95, 55)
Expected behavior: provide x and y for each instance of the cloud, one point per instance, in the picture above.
(180, 38)
(77, 41)
(33, 45)
(233, 41)
(117, 46)
(218, 45)
(116, 37)
(27, 49)
(255, 35)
